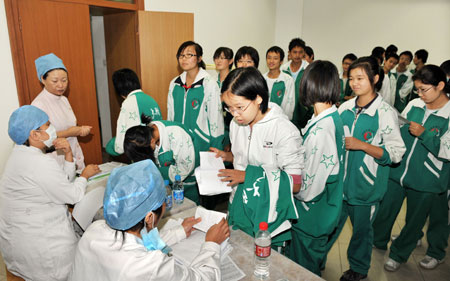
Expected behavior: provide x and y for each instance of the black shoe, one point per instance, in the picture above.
(350, 275)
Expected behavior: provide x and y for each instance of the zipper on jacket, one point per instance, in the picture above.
(184, 104)
(351, 133)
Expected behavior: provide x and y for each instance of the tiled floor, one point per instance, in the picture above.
(411, 271)
(337, 261)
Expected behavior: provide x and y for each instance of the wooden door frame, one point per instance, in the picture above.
(16, 43)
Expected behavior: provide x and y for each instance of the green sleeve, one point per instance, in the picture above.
(110, 147)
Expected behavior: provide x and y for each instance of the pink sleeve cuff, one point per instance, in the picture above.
(297, 179)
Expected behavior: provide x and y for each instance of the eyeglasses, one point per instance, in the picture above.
(238, 110)
(423, 91)
(245, 62)
(187, 56)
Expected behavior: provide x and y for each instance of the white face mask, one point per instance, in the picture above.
(51, 131)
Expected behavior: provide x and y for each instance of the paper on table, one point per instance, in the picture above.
(209, 218)
(85, 210)
(230, 271)
(106, 169)
(206, 174)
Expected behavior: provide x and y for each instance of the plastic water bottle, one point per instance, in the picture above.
(262, 251)
(169, 197)
(178, 190)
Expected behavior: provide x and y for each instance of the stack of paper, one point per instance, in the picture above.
(206, 174)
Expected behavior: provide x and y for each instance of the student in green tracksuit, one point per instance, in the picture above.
(320, 197)
(194, 99)
(280, 84)
(295, 68)
(136, 102)
(170, 146)
(404, 82)
(373, 142)
(346, 91)
(423, 175)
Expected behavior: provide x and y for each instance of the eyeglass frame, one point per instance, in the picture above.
(238, 111)
(186, 56)
(424, 91)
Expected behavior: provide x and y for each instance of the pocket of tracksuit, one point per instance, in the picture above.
(368, 172)
(433, 165)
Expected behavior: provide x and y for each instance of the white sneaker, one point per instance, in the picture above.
(430, 263)
(391, 265)
(395, 236)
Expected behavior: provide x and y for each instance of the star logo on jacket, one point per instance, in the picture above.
(368, 135)
(386, 130)
(314, 131)
(279, 93)
(447, 144)
(327, 160)
(276, 174)
(307, 181)
(384, 107)
(195, 104)
(268, 144)
(133, 115)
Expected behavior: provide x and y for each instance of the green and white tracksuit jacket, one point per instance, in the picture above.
(266, 195)
(282, 92)
(365, 178)
(136, 104)
(403, 88)
(198, 108)
(320, 197)
(176, 153)
(301, 113)
(426, 165)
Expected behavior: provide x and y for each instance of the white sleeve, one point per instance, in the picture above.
(183, 154)
(128, 117)
(55, 183)
(444, 150)
(170, 110)
(173, 235)
(289, 149)
(390, 133)
(214, 105)
(406, 88)
(289, 98)
(393, 82)
(321, 161)
(69, 169)
(385, 90)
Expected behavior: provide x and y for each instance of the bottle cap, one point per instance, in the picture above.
(166, 182)
(263, 226)
(177, 178)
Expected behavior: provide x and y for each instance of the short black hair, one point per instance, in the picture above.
(137, 143)
(378, 52)
(227, 53)
(391, 55)
(309, 51)
(125, 81)
(422, 55)
(391, 49)
(277, 50)
(247, 50)
(249, 83)
(198, 51)
(432, 75)
(445, 66)
(46, 74)
(320, 83)
(406, 53)
(350, 56)
(370, 66)
(296, 42)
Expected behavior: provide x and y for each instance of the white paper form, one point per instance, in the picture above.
(209, 218)
(85, 210)
(206, 174)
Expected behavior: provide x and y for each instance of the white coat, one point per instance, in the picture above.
(274, 141)
(101, 256)
(37, 239)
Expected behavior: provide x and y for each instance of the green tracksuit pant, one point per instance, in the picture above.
(419, 206)
(359, 252)
(387, 214)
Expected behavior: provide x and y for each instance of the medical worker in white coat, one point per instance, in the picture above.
(37, 239)
(127, 246)
(260, 133)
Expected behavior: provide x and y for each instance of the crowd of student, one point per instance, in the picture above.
(305, 147)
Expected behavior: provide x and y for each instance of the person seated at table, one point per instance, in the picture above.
(37, 239)
(128, 246)
(136, 102)
(169, 145)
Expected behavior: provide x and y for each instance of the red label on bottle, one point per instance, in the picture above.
(262, 252)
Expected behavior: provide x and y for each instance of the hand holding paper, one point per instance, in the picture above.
(208, 181)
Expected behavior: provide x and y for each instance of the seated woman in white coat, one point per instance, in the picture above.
(127, 246)
(37, 239)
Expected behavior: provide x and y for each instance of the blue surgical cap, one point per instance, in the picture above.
(46, 63)
(23, 120)
(131, 193)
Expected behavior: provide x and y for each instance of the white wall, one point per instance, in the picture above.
(9, 101)
(288, 22)
(232, 23)
(335, 28)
